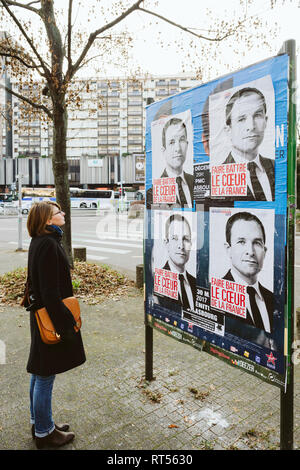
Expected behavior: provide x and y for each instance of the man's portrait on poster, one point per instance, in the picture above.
(176, 253)
(245, 137)
(172, 160)
(246, 247)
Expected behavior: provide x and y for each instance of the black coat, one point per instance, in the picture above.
(50, 281)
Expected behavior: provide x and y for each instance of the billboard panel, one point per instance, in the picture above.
(216, 192)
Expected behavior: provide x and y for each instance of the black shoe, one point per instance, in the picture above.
(59, 427)
(55, 439)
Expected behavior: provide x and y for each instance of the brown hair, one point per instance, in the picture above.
(38, 216)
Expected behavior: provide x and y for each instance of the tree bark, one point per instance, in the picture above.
(60, 172)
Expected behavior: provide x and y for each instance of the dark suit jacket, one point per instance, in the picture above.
(176, 305)
(268, 297)
(269, 166)
(189, 180)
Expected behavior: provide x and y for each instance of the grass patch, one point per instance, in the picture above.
(92, 284)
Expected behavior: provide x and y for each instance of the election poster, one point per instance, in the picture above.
(242, 137)
(216, 218)
(174, 258)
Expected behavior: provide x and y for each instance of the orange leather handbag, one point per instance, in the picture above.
(46, 327)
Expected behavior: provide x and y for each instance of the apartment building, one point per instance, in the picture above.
(109, 123)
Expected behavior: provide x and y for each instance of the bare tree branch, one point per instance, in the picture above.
(15, 56)
(70, 33)
(187, 30)
(28, 101)
(26, 6)
(96, 33)
(56, 49)
(43, 65)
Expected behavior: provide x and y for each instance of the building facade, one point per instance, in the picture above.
(105, 134)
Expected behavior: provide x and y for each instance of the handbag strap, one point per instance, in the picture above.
(25, 301)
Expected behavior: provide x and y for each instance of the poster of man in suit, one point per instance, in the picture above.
(174, 259)
(242, 285)
(172, 160)
(227, 234)
(242, 141)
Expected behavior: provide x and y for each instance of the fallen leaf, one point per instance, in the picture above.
(92, 284)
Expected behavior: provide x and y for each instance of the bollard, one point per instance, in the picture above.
(79, 254)
(139, 275)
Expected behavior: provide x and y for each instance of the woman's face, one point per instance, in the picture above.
(58, 217)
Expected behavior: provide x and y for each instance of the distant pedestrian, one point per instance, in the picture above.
(49, 283)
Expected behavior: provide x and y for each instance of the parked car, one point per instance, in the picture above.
(26, 205)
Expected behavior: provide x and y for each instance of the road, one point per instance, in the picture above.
(111, 239)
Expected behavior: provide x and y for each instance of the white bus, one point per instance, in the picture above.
(92, 198)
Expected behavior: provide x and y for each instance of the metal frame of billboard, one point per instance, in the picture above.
(286, 386)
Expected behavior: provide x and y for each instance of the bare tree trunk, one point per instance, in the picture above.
(60, 171)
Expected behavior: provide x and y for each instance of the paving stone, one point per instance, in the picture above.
(109, 405)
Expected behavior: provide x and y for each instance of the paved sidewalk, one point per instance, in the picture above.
(196, 402)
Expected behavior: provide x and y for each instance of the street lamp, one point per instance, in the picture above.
(20, 176)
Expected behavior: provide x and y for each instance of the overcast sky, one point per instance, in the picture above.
(179, 51)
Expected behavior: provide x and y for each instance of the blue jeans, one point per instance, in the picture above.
(41, 404)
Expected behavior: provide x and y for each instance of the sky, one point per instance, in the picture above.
(188, 13)
(181, 51)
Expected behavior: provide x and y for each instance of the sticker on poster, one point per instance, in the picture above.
(202, 315)
(201, 181)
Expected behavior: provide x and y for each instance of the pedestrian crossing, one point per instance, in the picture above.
(123, 247)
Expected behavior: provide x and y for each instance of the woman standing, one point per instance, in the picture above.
(49, 283)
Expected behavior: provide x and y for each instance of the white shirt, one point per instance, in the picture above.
(260, 173)
(187, 286)
(184, 187)
(259, 300)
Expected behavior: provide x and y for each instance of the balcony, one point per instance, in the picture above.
(113, 132)
(113, 112)
(134, 103)
(135, 112)
(134, 121)
(135, 131)
(162, 93)
(135, 93)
